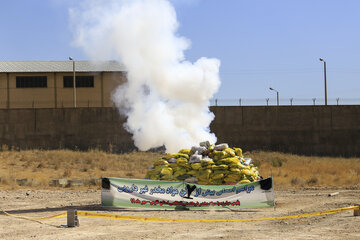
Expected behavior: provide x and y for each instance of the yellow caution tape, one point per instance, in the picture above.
(152, 219)
(136, 218)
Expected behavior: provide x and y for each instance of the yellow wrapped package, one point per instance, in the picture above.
(215, 176)
(247, 172)
(167, 178)
(239, 165)
(244, 181)
(179, 172)
(177, 168)
(181, 161)
(166, 171)
(219, 167)
(166, 174)
(193, 173)
(216, 181)
(203, 174)
(161, 162)
(176, 155)
(230, 151)
(231, 160)
(173, 165)
(220, 155)
(232, 178)
(153, 175)
(235, 170)
(225, 172)
(183, 155)
(207, 167)
(196, 166)
(255, 171)
(238, 152)
(207, 162)
(186, 151)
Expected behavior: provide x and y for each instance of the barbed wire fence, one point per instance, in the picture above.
(33, 103)
(282, 102)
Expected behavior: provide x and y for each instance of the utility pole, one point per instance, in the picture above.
(74, 80)
(322, 60)
(277, 95)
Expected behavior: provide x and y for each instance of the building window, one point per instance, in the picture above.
(81, 81)
(31, 82)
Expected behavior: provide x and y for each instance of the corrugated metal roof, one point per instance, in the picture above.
(60, 66)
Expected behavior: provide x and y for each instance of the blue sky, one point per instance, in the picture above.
(260, 43)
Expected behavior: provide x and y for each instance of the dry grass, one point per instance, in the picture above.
(289, 171)
(47, 165)
(294, 171)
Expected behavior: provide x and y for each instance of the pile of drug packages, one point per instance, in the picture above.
(206, 164)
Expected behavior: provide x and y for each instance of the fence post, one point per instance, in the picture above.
(72, 218)
(216, 101)
(291, 100)
(267, 101)
(337, 101)
(239, 101)
(314, 99)
(357, 211)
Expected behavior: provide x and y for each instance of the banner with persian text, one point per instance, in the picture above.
(152, 194)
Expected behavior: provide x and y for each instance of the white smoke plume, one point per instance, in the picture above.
(166, 99)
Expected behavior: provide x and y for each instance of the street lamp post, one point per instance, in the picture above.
(74, 80)
(322, 60)
(277, 95)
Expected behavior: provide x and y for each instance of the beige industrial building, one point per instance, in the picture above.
(50, 84)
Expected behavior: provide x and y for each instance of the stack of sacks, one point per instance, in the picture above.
(206, 165)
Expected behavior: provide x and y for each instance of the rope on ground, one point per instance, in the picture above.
(33, 219)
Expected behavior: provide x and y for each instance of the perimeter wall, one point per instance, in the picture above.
(309, 130)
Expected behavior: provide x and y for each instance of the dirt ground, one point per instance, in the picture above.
(39, 203)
